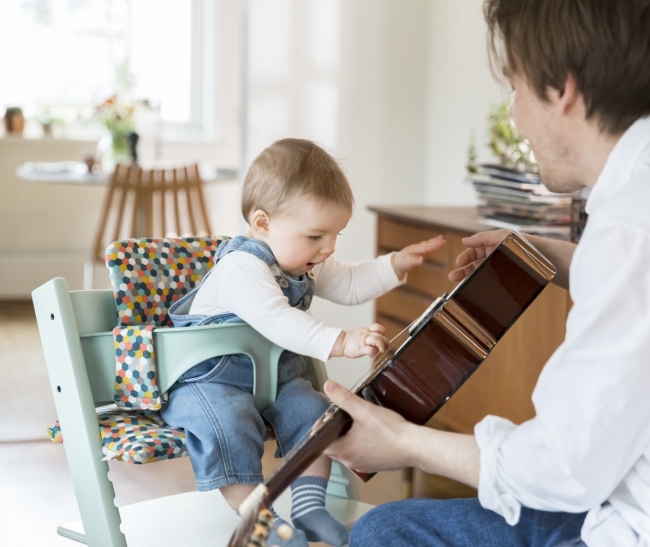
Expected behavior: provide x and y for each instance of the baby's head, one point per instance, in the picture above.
(297, 199)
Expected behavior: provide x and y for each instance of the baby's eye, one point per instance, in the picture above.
(315, 238)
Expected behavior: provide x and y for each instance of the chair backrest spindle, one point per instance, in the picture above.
(136, 205)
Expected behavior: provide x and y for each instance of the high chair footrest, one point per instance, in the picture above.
(201, 519)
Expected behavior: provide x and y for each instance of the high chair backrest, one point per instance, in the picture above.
(149, 275)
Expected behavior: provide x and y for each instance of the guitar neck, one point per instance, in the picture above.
(332, 425)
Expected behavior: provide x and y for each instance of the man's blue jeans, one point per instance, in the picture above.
(462, 523)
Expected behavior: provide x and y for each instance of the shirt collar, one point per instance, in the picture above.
(620, 165)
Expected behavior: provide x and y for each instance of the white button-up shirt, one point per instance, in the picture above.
(588, 448)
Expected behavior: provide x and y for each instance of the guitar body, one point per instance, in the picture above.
(432, 361)
(458, 332)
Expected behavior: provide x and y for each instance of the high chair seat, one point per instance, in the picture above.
(133, 436)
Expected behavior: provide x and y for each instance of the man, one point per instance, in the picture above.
(579, 472)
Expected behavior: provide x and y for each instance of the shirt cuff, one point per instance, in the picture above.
(387, 276)
(490, 433)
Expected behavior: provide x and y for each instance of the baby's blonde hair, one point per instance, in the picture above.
(293, 168)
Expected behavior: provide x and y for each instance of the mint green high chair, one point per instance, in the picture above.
(76, 330)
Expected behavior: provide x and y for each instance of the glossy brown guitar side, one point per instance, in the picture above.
(433, 359)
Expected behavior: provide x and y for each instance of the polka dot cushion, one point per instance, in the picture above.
(134, 437)
(135, 379)
(149, 275)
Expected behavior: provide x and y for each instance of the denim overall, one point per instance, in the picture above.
(213, 400)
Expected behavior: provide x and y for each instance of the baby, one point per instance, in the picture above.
(296, 200)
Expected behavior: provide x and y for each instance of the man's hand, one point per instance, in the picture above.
(378, 440)
(381, 440)
(478, 247)
(414, 255)
(359, 342)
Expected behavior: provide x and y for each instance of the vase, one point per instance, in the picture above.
(111, 150)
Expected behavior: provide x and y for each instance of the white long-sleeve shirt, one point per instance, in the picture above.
(244, 285)
(588, 448)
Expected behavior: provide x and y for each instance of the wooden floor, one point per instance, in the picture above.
(36, 493)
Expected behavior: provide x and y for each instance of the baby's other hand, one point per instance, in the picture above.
(362, 341)
(414, 255)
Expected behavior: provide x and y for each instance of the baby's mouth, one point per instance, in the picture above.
(310, 265)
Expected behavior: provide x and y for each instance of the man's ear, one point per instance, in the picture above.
(569, 96)
(260, 222)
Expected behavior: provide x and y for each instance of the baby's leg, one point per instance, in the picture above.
(292, 415)
(224, 436)
(308, 511)
(235, 494)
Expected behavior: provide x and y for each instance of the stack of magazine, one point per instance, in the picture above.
(518, 200)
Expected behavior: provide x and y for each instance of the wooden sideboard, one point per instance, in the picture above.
(504, 383)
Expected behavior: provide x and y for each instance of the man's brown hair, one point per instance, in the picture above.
(293, 168)
(603, 44)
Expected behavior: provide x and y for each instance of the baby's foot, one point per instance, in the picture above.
(319, 525)
(297, 539)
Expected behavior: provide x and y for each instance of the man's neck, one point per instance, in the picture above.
(597, 146)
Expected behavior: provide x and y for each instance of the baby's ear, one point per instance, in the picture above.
(260, 222)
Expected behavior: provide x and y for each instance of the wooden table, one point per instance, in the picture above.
(76, 172)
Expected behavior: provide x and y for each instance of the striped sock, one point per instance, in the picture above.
(308, 512)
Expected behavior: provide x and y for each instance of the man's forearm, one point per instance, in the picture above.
(560, 253)
(452, 455)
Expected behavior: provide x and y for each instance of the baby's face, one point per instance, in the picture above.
(306, 235)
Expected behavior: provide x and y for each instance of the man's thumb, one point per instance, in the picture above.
(338, 394)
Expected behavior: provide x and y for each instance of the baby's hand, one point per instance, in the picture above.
(413, 256)
(359, 342)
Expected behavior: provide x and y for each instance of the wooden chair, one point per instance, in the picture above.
(76, 333)
(149, 203)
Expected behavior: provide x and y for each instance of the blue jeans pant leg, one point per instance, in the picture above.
(224, 432)
(294, 412)
(462, 523)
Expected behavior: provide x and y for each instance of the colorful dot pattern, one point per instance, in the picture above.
(134, 437)
(135, 376)
(149, 275)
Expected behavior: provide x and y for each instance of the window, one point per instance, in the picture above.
(61, 58)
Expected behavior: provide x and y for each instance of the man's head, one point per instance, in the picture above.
(297, 199)
(603, 44)
(591, 56)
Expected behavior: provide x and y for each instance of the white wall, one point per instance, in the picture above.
(382, 130)
(459, 94)
(392, 88)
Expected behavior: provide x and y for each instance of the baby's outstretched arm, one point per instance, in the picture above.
(359, 342)
(414, 255)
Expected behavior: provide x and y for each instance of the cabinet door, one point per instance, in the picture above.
(398, 308)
